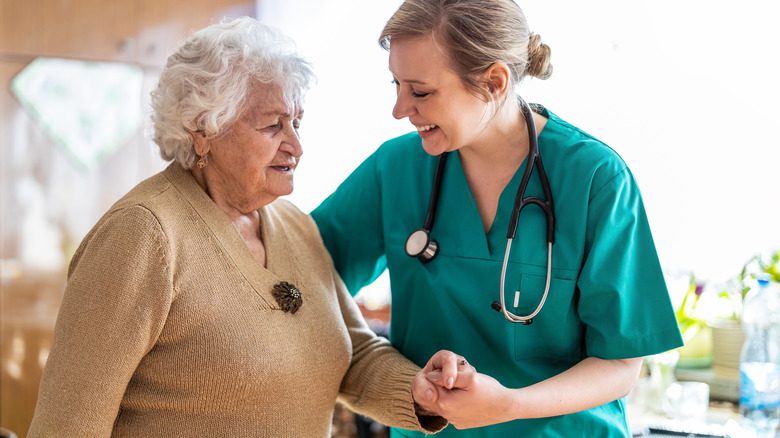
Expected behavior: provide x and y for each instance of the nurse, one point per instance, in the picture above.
(456, 65)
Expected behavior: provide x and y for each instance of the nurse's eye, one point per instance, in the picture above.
(419, 94)
(296, 124)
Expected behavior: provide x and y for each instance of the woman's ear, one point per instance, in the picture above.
(200, 143)
(497, 78)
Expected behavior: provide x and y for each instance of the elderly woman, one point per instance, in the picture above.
(199, 305)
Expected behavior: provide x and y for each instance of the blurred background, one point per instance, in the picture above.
(684, 91)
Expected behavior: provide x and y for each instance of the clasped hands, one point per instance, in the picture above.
(450, 387)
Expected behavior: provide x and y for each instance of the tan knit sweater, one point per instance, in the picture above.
(168, 328)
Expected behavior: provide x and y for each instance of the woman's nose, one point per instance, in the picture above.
(403, 108)
(293, 141)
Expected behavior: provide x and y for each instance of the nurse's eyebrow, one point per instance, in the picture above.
(409, 81)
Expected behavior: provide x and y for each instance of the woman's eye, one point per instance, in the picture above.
(296, 124)
(417, 94)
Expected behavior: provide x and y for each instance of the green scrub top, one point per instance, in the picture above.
(607, 296)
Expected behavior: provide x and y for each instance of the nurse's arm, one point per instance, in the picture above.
(590, 383)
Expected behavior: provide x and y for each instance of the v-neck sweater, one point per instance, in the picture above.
(168, 328)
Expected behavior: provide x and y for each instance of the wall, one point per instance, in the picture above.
(48, 201)
(684, 91)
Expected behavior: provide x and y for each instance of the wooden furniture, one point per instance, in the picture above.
(28, 310)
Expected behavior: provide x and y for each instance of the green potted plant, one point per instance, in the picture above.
(696, 333)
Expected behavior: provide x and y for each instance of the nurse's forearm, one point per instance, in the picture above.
(590, 383)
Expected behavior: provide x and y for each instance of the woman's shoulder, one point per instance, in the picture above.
(283, 215)
(284, 212)
(401, 157)
(402, 142)
(403, 147)
(149, 188)
(394, 160)
(285, 218)
(152, 203)
(574, 150)
(126, 227)
(141, 197)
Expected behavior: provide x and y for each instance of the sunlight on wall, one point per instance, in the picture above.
(684, 91)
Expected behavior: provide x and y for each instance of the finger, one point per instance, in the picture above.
(435, 377)
(454, 380)
(447, 362)
(464, 380)
(449, 369)
(425, 394)
(439, 359)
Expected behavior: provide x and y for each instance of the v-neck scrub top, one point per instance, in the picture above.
(607, 297)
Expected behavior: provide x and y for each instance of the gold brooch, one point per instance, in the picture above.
(288, 296)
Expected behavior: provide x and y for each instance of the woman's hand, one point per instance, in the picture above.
(448, 370)
(475, 400)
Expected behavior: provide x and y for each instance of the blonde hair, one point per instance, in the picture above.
(476, 34)
(205, 83)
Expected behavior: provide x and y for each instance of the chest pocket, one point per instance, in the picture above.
(556, 332)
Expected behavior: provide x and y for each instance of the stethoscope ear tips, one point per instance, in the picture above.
(420, 245)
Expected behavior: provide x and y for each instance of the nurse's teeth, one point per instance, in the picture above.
(425, 127)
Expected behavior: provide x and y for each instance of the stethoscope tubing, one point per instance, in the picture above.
(422, 246)
(534, 160)
(434, 201)
(528, 318)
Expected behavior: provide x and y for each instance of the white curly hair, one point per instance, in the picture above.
(205, 83)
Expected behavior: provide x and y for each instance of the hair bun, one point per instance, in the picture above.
(539, 65)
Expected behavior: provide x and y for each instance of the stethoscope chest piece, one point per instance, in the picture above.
(420, 245)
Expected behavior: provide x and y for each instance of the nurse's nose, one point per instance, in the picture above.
(403, 106)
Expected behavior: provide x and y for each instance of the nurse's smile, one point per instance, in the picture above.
(432, 96)
(425, 131)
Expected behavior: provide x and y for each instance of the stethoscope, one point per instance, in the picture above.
(420, 245)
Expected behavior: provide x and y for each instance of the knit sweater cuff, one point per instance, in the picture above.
(405, 410)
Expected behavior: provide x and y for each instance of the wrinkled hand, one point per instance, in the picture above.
(450, 371)
(463, 396)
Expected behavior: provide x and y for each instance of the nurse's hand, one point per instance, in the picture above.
(477, 401)
(450, 370)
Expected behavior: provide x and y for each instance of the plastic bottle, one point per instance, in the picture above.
(759, 368)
